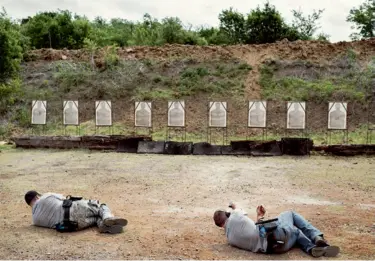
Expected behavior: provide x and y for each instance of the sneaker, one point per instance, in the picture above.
(328, 251)
(320, 241)
(115, 229)
(115, 221)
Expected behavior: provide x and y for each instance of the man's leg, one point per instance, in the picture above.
(107, 221)
(306, 227)
(85, 213)
(88, 213)
(307, 235)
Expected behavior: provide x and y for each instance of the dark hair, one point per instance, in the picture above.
(30, 195)
(220, 216)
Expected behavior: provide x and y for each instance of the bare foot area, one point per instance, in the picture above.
(169, 202)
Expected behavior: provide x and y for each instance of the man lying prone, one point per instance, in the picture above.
(69, 214)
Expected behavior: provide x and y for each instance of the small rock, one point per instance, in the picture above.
(318, 213)
(64, 57)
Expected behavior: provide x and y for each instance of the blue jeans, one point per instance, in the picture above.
(293, 229)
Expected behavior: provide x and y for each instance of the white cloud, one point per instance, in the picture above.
(196, 12)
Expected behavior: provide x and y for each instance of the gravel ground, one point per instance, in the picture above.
(169, 202)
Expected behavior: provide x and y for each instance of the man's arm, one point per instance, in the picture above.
(56, 195)
(235, 209)
(261, 211)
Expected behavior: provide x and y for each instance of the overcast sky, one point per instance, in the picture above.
(196, 12)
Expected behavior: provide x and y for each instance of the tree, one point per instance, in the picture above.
(364, 19)
(57, 30)
(232, 24)
(172, 30)
(306, 26)
(267, 26)
(10, 47)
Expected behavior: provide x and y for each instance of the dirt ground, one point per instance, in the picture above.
(169, 202)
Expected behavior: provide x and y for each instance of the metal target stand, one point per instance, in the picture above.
(78, 126)
(176, 129)
(44, 129)
(150, 129)
(248, 126)
(370, 121)
(110, 127)
(330, 130)
(223, 129)
(302, 131)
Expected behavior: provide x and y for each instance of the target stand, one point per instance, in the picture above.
(176, 121)
(71, 117)
(340, 120)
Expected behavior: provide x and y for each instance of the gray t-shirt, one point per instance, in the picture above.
(48, 211)
(242, 232)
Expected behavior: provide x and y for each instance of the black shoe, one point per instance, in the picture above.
(320, 241)
(115, 229)
(115, 221)
(328, 251)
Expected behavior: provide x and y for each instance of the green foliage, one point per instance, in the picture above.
(232, 24)
(306, 26)
(10, 48)
(111, 57)
(354, 85)
(363, 18)
(57, 30)
(21, 117)
(9, 93)
(62, 29)
(262, 25)
(265, 25)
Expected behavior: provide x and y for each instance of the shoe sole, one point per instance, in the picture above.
(115, 221)
(329, 251)
(115, 229)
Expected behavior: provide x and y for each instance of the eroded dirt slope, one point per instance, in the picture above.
(254, 55)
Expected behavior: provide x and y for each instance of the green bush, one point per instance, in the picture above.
(9, 93)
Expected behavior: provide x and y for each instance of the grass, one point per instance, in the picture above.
(344, 78)
(149, 79)
(320, 90)
(6, 147)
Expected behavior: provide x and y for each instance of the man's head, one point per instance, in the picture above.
(31, 196)
(143, 105)
(220, 217)
(338, 106)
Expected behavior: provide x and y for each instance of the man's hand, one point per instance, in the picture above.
(232, 205)
(261, 211)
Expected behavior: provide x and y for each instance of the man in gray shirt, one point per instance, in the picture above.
(48, 211)
(289, 230)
